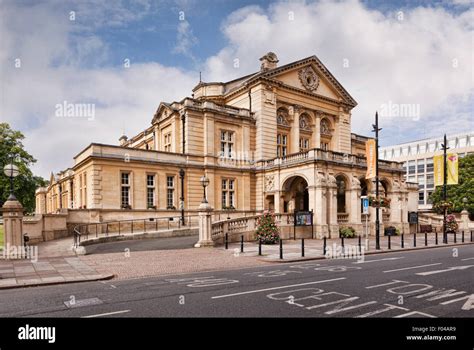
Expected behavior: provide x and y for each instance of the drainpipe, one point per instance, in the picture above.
(183, 120)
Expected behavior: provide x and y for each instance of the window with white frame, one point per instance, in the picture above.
(282, 144)
(227, 144)
(228, 193)
(167, 142)
(170, 192)
(125, 191)
(150, 191)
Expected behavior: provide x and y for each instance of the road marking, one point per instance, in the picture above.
(274, 288)
(469, 303)
(412, 267)
(107, 314)
(446, 270)
(368, 261)
(455, 300)
(467, 259)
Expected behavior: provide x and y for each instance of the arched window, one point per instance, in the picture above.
(341, 194)
(325, 131)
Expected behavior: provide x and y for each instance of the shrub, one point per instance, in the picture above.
(451, 224)
(267, 231)
(347, 232)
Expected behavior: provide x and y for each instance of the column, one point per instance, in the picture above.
(332, 207)
(355, 206)
(317, 132)
(205, 226)
(295, 130)
(13, 226)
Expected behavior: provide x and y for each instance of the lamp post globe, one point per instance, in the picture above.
(11, 171)
(204, 182)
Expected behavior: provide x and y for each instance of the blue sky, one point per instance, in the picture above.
(402, 52)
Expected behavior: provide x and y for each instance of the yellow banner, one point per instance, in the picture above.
(452, 166)
(438, 170)
(370, 156)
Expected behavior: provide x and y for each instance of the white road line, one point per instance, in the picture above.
(107, 314)
(369, 261)
(412, 267)
(274, 288)
(467, 259)
(446, 270)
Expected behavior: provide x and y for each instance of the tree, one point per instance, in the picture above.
(267, 231)
(456, 193)
(25, 184)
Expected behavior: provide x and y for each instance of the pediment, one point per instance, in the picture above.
(311, 76)
(163, 111)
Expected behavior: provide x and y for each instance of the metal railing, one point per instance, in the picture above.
(133, 226)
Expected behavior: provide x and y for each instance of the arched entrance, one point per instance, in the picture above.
(295, 195)
(341, 194)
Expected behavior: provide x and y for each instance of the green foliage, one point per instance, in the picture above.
(25, 184)
(267, 230)
(456, 193)
(347, 232)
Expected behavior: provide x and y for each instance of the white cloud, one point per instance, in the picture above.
(52, 52)
(424, 59)
(185, 39)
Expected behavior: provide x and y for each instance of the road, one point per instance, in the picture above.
(426, 283)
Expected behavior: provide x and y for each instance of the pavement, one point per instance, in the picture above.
(426, 283)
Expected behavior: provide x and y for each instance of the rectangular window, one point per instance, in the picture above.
(304, 144)
(170, 192)
(429, 200)
(227, 144)
(325, 146)
(150, 191)
(429, 165)
(429, 181)
(421, 166)
(282, 144)
(421, 197)
(228, 193)
(411, 167)
(125, 190)
(167, 142)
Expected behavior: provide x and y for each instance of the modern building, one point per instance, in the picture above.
(277, 139)
(417, 159)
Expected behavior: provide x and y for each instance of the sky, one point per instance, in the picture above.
(410, 60)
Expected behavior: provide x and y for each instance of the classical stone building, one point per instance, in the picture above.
(277, 139)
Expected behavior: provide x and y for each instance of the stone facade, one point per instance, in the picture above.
(279, 139)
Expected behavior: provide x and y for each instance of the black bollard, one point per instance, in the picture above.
(259, 247)
(302, 247)
(436, 237)
(471, 235)
(462, 236)
(226, 241)
(324, 245)
(414, 239)
(389, 242)
(403, 240)
(426, 239)
(360, 244)
(242, 244)
(455, 240)
(281, 249)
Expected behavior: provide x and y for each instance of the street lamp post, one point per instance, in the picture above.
(444, 147)
(181, 176)
(11, 170)
(376, 129)
(204, 182)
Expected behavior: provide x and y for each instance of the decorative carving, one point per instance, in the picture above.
(331, 181)
(304, 122)
(355, 183)
(282, 117)
(325, 128)
(269, 183)
(309, 79)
